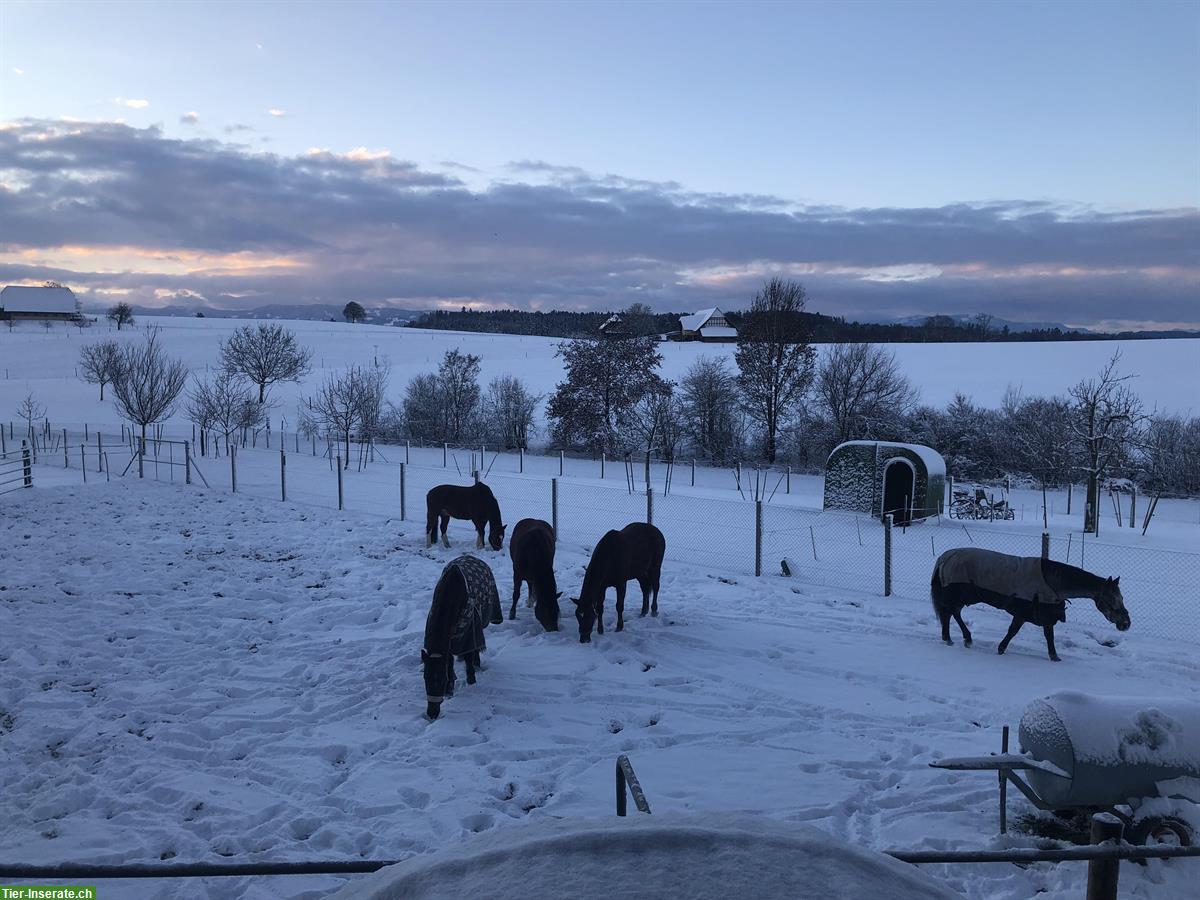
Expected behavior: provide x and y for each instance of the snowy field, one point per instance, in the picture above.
(190, 675)
(193, 675)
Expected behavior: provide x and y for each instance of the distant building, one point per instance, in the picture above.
(614, 328)
(24, 302)
(706, 325)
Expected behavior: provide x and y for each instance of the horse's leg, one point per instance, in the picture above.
(599, 610)
(445, 528)
(512, 613)
(479, 666)
(644, 584)
(430, 528)
(942, 606)
(962, 626)
(469, 659)
(1012, 633)
(1048, 630)
(478, 533)
(654, 585)
(621, 606)
(450, 676)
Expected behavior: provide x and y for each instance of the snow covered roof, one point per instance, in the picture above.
(28, 299)
(712, 857)
(696, 320)
(718, 331)
(934, 464)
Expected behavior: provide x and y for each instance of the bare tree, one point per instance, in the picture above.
(655, 421)
(1170, 455)
(122, 314)
(80, 321)
(857, 386)
(508, 409)
(223, 404)
(458, 377)
(1040, 435)
(638, 318)
(147, 382)
(424, 412)
(11, 323)
(345, 404)
(775, 360)
(47, 325)
(710, 413)
(98, 363)
(265, 355)
(30, 410)
(1108, 415)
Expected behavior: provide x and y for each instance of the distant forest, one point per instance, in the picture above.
(823, 328)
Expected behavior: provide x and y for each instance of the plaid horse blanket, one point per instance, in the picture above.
(1019, 577)
(482, 607)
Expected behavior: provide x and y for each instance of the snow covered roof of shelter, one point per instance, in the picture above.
(712, 857)
(934, 464)
(718, 331)
(696, 320)
(29, 299)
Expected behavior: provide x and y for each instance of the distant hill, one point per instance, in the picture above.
(313, 312)
(995, 323)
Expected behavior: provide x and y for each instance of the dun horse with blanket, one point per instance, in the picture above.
(636, 551)
(532, 550)
(464, 601)
(1028, 588)
(477, 503)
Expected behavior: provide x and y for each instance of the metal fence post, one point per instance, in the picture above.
(66, 458)
(693, 471)
(402, 503)
(649, 505)
(561, 463)
(187, 462)
(141, 452)
(1045, 545)
(601, 464)
(445, 455)
(1103, 874)
(475, 475)
(758, 537)
(83, 461)
(407, 451)
(341, 500)
(231, 449)
(887, 555)
(99, 454)
(521, 460)
(788, 489)
(554, 507)
(282, 473)
(1132, 506)
(26, 466)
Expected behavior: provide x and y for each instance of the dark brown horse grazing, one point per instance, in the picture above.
(532, 550)
(464, 601)
(477, 503)
(636, 551)
(1028, 588)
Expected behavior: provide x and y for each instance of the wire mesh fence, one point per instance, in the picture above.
(828, 548)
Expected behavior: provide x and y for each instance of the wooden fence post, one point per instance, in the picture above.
(403, 511)
(282, 472)
(26, 467)
(1132, 506)
(521, 460)
(649, 505)
(445, 456)
(341, 499)
(601, 465)
(1045, 545)
(758, 537)
(83, 461)
(99, 453)
(1103, 874)
(887, 555)
(554, 507)
(66, 458)
(187, 462)
(561, 463)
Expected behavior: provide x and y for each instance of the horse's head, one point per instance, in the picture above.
(1112, 605)
(585, 615)
(546, 612)
(496, 536)
(438, 682)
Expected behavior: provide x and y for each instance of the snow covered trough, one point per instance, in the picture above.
(878, 477)
(711, 857)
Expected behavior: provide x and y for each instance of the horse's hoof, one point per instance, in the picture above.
(968, 642)
(654, 612)
(1000, 650)
(948, 642)
(1056, 659)
(620, 626)
(643, 614)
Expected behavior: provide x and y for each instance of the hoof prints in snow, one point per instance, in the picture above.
(191, 677)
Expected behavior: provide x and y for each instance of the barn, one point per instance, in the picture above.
(708, 325)
(878, 477)
(25, 302)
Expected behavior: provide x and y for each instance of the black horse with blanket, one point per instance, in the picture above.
(465, 600)
(1028, 588)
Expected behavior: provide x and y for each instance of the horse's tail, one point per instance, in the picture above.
(935, 589)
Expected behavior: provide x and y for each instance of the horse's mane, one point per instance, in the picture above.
(492, 505)
(1065, 573)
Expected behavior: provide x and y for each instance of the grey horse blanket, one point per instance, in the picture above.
(482, 606)
(1012, 576)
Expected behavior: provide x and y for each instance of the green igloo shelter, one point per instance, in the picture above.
(878, 477)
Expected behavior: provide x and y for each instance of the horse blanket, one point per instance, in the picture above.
(1011, 576)
(482, 606)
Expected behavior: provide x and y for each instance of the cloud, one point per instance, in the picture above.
(114, 207)
(17, 71)
(236, 127)
(190, 118)
(276, 113)
(132, 104)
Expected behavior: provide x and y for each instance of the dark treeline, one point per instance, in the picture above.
(821, 328)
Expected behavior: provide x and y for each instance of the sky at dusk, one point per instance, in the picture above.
(1039, 162)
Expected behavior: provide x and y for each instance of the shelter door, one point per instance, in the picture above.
(898, 491)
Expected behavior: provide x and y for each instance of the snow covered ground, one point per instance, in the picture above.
(192, 675)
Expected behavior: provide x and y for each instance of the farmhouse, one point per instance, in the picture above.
(614, 328)
(880, 477)
(24, 302)
(706, 325)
